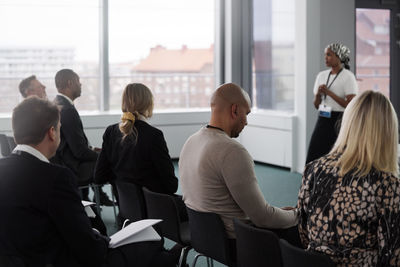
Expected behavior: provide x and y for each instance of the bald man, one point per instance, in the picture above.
(217, 173)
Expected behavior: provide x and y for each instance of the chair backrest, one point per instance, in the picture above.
(163, 206)
(4, 145)
(11, 142)
(296, 257)
(208, 236)
(131, 201)
(11, 261)
(256, 247)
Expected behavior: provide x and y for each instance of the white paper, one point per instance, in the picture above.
(89, 212)
(87, 203)
(135, 232)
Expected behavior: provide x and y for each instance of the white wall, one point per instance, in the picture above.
(177, 127)
(318, 23)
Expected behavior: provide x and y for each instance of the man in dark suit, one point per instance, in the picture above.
(74, 151)
(43, 221)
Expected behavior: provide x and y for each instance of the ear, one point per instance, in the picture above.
(51, 133)
(234, 110)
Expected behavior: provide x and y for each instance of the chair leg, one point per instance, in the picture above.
(114, 208)
(97, 197)
(182, 258)
(195, 259)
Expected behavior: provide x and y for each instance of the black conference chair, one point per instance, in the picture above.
(296, 257)
(256, 246)
(11, 142)
(132, 205)
(5, 145)
(209, 239)
(11, 261)
(163, 206)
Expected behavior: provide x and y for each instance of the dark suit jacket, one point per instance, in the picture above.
(74, 147)
(147, 163)
(42, 218)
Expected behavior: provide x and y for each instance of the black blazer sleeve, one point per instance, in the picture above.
(69, 217)
(103, 171)
(162, 161)
(71, 127)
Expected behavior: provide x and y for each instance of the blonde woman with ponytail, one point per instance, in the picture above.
(133, 150)
(349, 199)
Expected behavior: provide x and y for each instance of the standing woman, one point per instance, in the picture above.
(333, 89)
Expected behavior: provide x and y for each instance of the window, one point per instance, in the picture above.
(43, 36)
(165, 40)
(273, 54)
(163, 44)
(373, 50)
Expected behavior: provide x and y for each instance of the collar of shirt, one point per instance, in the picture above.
(32, 151)
(66, 97)
(142, 118)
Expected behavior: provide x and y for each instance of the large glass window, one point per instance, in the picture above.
(273, 54)
(43, 36)
(373, 50)
(166, 45)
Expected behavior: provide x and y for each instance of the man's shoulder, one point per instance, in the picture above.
(32, 166)
(215, 141)
(63, 103)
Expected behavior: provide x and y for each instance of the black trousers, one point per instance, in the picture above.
(324, 136)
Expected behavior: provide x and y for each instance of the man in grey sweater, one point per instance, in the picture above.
(217, 172)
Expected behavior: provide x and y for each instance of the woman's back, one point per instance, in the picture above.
(144, 161)
(353, 219)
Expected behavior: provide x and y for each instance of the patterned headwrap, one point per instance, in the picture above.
(341, 51)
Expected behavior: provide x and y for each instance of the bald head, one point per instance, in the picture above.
(228, 94)
(230, 105)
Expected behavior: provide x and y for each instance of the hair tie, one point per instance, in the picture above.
(128, 116)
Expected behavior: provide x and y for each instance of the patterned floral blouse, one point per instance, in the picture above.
(355, 220)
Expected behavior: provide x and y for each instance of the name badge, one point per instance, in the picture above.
(325, 111)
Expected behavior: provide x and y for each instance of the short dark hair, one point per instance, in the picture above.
(25, 84)
(62, 78)
(32, 118)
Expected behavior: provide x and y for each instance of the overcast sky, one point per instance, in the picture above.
(135, 25)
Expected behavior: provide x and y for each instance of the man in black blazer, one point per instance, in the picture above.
(74, 151)
(43, 222)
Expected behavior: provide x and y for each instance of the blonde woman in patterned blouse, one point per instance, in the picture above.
(349, 199)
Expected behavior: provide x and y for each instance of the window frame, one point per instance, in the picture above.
(394, 81)
(219, 54)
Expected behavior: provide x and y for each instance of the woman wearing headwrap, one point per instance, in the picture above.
(134, 151)
(333, 89)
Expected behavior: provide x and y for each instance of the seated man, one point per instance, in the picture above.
(217, 173)
(43, 221)
(31, 86)
(74, 151)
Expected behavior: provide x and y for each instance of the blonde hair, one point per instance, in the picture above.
(138, 100)
(368, 136)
